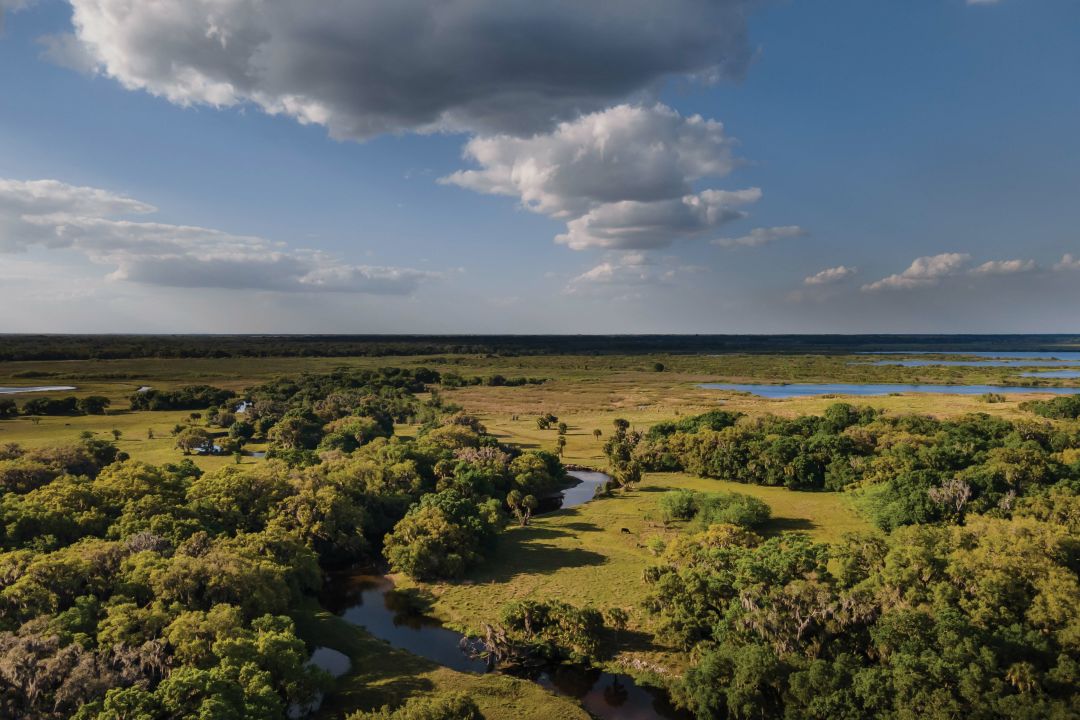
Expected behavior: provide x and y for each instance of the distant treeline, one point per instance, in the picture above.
(106, 347)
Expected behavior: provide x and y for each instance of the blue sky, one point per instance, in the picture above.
(880, 167)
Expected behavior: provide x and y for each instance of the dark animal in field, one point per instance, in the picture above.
(626, 530)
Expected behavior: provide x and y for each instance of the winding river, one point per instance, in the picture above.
(370, 601)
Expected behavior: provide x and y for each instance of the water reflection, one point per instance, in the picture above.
(36, 388)
(580, 493)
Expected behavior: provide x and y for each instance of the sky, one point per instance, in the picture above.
(553, 166)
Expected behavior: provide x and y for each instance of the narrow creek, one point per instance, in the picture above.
(370, 601)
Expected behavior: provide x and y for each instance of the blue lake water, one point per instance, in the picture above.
(811, 389)
(1054, 374)
(1073, 355)
(37, 388)
(974, 363)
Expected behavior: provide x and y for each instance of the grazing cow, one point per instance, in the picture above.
(626, 530)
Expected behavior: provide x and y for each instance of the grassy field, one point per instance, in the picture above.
(582, 556)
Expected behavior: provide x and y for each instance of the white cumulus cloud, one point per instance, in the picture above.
(1068, 262)
(1005, 267)
(97, 224)
(924, 271)
(622, 178)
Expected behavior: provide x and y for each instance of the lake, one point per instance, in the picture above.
(1074, 356)
(972, 363)
(38, 388)
(794, 390)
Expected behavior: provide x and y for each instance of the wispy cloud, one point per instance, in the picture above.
(830, 276)
(629, 270)
(762, 236)
(98, 224)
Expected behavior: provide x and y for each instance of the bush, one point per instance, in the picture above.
(1066, 407)
(714, 508)
(679, 505)
(445, 706)
(733, 509)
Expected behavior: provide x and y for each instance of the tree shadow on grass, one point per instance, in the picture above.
(779, 525)
(632, 641)
(535, 559)
(581, 527)
(381, 675)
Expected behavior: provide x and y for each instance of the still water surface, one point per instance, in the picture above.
(37, 388)
(794, 390)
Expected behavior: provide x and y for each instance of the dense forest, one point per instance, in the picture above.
(134, 591)
(107, 347)
(910, 468)
(968, 605)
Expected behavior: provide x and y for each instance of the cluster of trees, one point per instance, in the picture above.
(707, 509)
(80, 347)
(444, 706)
(936, 621)
(1065, 407)
(914, 469)
(130, 590)
(90, 405)
(189, 397)
(453, 379)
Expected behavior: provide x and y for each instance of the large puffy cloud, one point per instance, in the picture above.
(365, 68)
(622, 178)
(52, 214)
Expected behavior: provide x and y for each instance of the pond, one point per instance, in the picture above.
(371, 602)
(581, 492)
(1056, 374)
(794, 390)
(38, 388)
